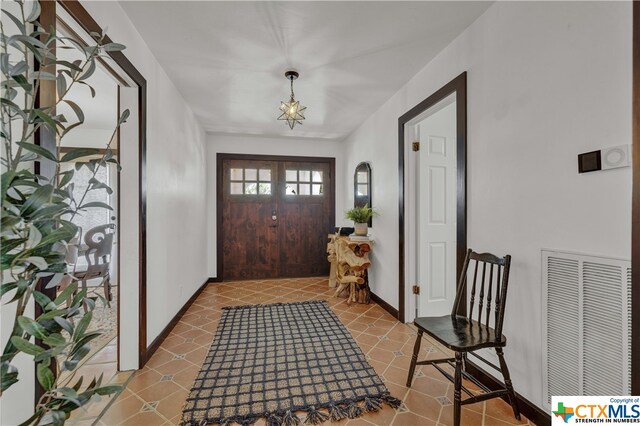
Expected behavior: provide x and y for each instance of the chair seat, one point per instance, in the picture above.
(459, 333)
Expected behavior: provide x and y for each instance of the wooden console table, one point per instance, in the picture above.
(349, 263)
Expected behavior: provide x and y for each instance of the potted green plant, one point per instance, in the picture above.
(360, 217)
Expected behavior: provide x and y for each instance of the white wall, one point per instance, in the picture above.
(176, 179)
(246, 144)
(546, 81)
(14, 407)
(88, 138)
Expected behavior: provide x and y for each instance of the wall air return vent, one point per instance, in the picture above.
(587, 325)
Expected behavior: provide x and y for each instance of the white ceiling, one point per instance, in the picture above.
(228, 58)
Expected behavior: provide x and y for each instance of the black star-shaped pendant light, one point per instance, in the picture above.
(292, 111)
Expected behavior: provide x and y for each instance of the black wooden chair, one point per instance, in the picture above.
(464, 335)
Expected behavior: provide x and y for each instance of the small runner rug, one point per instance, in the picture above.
(271, 361)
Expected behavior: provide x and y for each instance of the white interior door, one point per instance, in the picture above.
(437, 209)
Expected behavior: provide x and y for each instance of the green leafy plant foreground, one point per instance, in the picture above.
(37, 212)
(360, 214)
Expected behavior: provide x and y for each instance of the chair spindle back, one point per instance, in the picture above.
(99, 241)
(488, 288)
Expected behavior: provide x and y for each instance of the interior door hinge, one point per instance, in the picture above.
(415, 146)
(416, 289)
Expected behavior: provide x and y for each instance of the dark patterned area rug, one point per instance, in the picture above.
(275, 360)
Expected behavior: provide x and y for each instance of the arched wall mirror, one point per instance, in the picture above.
(362, 186)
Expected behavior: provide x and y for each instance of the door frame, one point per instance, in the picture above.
(458, 86)
(82, 17)
(220, 157)
(86, 21)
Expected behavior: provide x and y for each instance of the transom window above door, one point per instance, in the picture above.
(304, 182)
(250, 181)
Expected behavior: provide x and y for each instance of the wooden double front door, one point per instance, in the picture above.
(276, 213)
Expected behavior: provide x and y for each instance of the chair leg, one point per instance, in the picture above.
(507, 382)
(414, 358)
(457, 390)
(84, 287)
(107, 290)
(70, 297)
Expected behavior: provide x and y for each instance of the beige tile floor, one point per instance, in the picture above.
(156, 394)
(105, 362)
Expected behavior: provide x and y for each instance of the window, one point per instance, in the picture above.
(304, 182)
(92, 217)
(250, 181)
